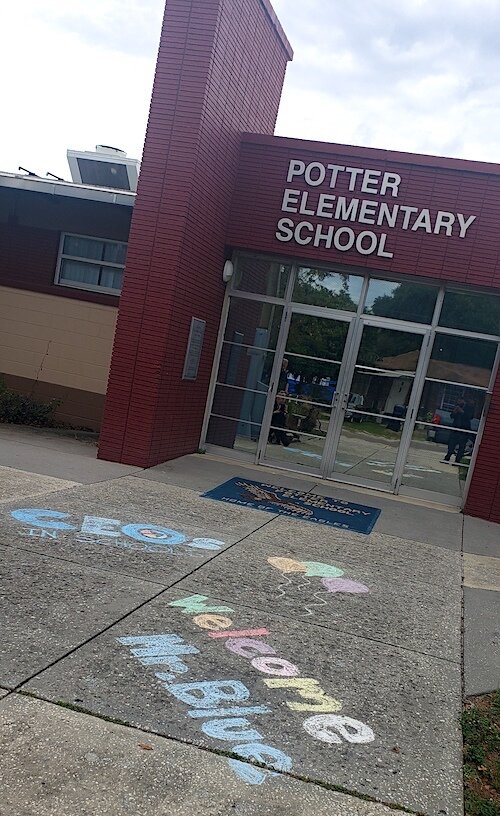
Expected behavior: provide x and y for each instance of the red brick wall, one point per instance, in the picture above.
(30, 230)
(436, 183)
(472, 188)
(483, 499)
(220, 71)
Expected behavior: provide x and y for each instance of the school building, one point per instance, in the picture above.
(321, 308)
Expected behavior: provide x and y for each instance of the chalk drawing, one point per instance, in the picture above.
(310, 690)
(331, 579)
(151, 538)
(333, 728)
(344, 585)
(319, 570)
(248, 647)
(208, 701)
(230, 729)
(276, 666)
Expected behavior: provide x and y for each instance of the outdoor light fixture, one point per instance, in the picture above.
(227, 272)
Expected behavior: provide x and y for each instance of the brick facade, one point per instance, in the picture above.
(220, 71)
(30, 231)
(435, 183)
(212, 180)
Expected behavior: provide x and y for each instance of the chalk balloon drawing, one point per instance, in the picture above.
(331, 578)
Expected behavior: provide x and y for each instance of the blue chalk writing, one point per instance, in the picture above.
(96, 525)
(231, 730)
(210, 692)
(147, 533)
(42, 518)
(235, 711)
(160, 650)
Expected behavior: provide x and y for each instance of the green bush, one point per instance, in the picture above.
(21, 409)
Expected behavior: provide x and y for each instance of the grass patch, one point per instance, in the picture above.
(481, 731)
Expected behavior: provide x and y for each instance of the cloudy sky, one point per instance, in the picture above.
(417, 75)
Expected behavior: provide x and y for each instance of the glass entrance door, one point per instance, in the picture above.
(307, 377)
(376, 407)
(343, 398)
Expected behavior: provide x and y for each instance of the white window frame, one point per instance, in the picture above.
(87, 287)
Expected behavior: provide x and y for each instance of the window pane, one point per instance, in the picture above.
(231, 433)
(425, 468)
(297, 434)
(368, 447)
(318, 337)
(401, 301)
(389, 349)
(462, 360)
(115, 253)
(253, 324)
(261, 276)
(321, 287)
(245, 367)
(236, 403)
(477, 313)
(111, 278)
(438, 407)
(79, 272)
(83, 247)
(444, 437)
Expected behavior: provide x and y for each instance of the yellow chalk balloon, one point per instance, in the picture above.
(287, 564)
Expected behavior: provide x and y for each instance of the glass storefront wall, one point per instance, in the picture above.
(352, 377)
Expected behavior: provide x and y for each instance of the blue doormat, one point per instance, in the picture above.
(286, 502)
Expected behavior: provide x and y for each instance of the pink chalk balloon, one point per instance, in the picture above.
(343, 585)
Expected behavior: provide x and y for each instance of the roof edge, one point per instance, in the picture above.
(279, 28)
(424, 159)
(108, 195)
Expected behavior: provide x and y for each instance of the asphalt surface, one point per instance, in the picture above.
(163, 653)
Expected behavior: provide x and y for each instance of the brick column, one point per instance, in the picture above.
(220, 72)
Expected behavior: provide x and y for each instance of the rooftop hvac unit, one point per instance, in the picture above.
(106, 167)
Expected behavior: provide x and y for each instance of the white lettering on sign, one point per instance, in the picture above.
(328, 206)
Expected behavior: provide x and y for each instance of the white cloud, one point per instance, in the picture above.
(67, 88)
(417, 75)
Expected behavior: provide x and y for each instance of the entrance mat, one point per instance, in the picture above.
(286, 502)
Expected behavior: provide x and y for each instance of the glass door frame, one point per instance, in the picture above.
(429, 495)
(320, 312)
(355, 318)
(408, 421)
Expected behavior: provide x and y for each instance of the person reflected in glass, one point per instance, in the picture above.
(278, 434)
(461, 416)
(283, 378)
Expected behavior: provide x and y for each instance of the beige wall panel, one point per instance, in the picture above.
(51, 304)
(56, 340)
(94, 341)
(75, 381)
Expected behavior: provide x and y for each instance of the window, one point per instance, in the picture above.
(413, 302)
(91, 263)
(324, 287)
(471, 312)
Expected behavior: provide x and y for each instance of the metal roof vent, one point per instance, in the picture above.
(106, 167)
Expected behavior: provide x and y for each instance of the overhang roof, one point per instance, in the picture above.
(68, 189)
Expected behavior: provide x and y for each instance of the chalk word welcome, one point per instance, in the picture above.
(220, 702)
(44, 523)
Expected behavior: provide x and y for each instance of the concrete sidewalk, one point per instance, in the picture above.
(118, 698)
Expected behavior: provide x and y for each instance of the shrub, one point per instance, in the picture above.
(21, 409)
